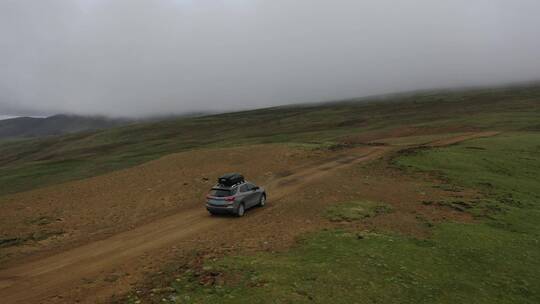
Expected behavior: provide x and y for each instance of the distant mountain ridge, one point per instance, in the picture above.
(28, 127)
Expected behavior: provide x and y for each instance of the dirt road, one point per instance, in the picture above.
(457, 139)
(39, 281)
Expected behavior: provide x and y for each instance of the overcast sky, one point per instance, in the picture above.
(134, 57)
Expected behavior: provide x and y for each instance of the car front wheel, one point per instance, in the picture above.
(262, 202)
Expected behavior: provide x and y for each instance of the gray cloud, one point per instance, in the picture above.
(134, 57)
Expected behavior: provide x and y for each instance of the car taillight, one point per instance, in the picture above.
(229, 198)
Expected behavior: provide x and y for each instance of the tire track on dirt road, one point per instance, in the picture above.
(39, 280)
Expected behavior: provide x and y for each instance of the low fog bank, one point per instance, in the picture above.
(141, 58)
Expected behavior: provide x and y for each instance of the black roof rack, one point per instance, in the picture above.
(231, 179)
(222, 186)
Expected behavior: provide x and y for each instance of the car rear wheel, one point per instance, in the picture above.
(241, 210)
(262, 202)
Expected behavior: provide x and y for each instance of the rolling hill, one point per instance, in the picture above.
(33, 163)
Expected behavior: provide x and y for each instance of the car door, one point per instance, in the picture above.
(244, 193)
(252, 195)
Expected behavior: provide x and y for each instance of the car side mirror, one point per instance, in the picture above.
(255, 188)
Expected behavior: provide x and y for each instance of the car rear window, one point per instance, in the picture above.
(221, 192)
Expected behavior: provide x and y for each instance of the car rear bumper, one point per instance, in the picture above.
(221, 209)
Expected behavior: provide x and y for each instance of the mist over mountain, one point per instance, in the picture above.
(27, 127)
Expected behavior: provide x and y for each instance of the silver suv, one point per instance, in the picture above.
(235, 199)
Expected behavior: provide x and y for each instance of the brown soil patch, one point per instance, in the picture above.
(98, 207)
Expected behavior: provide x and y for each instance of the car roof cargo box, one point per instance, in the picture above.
(231, 179)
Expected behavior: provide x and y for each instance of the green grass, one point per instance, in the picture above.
(28, 164)
(354, 211)
(505, 168)
(495, 260)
